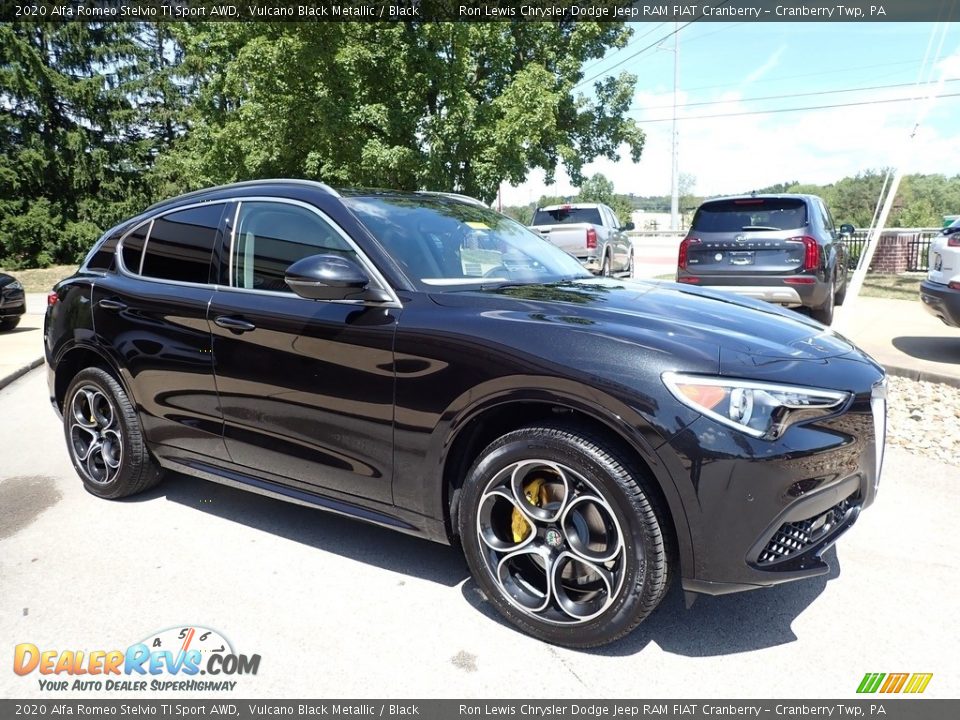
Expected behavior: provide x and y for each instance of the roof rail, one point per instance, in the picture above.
(247, 183)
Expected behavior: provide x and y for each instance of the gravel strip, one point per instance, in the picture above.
(924, 418)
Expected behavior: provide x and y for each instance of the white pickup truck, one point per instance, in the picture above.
(591, 232)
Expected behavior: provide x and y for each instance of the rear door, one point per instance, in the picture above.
(619, 240)
(749, 236)
(152, 313)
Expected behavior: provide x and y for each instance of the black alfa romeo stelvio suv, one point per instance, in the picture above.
(418, 361)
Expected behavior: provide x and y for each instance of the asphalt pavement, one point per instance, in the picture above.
(336, 608)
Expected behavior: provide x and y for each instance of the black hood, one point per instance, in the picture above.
(651, 312)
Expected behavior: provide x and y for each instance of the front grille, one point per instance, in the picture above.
(794, 538)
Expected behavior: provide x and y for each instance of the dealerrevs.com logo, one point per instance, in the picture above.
(169, 660)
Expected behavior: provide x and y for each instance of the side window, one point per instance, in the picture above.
(828, 218)
(180, 245)
(272, 236)
(614, 220)
(133, 247)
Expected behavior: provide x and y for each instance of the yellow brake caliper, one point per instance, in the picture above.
(536, 494)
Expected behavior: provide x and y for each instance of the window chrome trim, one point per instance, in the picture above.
(365, 262)
(372, 271)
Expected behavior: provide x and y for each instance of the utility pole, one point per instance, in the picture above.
(675, 175)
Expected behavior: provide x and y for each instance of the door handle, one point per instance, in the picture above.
(107, 304)
(234, 324)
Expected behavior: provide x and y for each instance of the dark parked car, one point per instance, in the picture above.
(584, 439)
(783, 249)
(13, 303)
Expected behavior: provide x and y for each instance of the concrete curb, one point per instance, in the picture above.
(20, 372)
(923, 375)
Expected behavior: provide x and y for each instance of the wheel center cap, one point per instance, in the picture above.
(553, 538)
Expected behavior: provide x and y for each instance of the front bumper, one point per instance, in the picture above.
(941, 301)
(12, 303)
(762, 513)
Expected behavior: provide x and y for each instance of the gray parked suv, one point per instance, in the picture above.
(781, 248)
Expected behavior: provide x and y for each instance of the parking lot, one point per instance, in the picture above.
(340, 609)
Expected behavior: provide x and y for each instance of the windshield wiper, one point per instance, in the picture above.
(758, 227)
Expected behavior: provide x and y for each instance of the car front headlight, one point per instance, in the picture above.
(15, 285)
(762, 410)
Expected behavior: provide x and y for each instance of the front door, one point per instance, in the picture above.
(306, 386)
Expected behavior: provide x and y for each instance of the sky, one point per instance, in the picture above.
(730, 65)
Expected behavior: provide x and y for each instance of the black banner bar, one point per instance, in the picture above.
(878, 706)
(472, 10)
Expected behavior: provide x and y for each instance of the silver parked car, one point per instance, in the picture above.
(591, 232)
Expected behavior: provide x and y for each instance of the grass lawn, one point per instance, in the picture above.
(41, 279)
(895, 287)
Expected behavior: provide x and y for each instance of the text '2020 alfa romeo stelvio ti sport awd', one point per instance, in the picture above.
(419, 361)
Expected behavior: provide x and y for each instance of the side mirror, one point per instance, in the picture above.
(629, 226)
(846, 229)
(331, 277)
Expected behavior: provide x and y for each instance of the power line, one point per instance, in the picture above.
(632, 42)
(642, 50)
(797, 109)
(834, 71)
(781, 97)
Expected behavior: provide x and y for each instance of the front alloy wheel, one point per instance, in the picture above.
(562, 535)
(550, 542)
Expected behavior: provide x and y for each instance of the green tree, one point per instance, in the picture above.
(440, 106)
(599, 189)
(69, 166)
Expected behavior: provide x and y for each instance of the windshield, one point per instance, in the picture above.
(567, 215)
(447, 244)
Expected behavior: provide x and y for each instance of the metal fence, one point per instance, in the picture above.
(917, 244)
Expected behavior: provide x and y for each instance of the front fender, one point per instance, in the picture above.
(627, 422)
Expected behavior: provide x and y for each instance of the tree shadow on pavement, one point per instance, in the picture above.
(323, 530)
(721, 625)
(944, 349)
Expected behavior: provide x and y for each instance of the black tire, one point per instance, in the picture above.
(99, 421)
(605, 268)
(824, 314)
(630, 262)
(9, 323)
(612, 498)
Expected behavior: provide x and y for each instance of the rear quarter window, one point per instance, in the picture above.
(181, 244)
(751, 213)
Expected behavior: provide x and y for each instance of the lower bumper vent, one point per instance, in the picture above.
(794, 538)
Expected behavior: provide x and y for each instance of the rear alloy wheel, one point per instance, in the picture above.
(562, 537)
(824, 314)
(630, 264)
(104, 438)
(605, 268)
